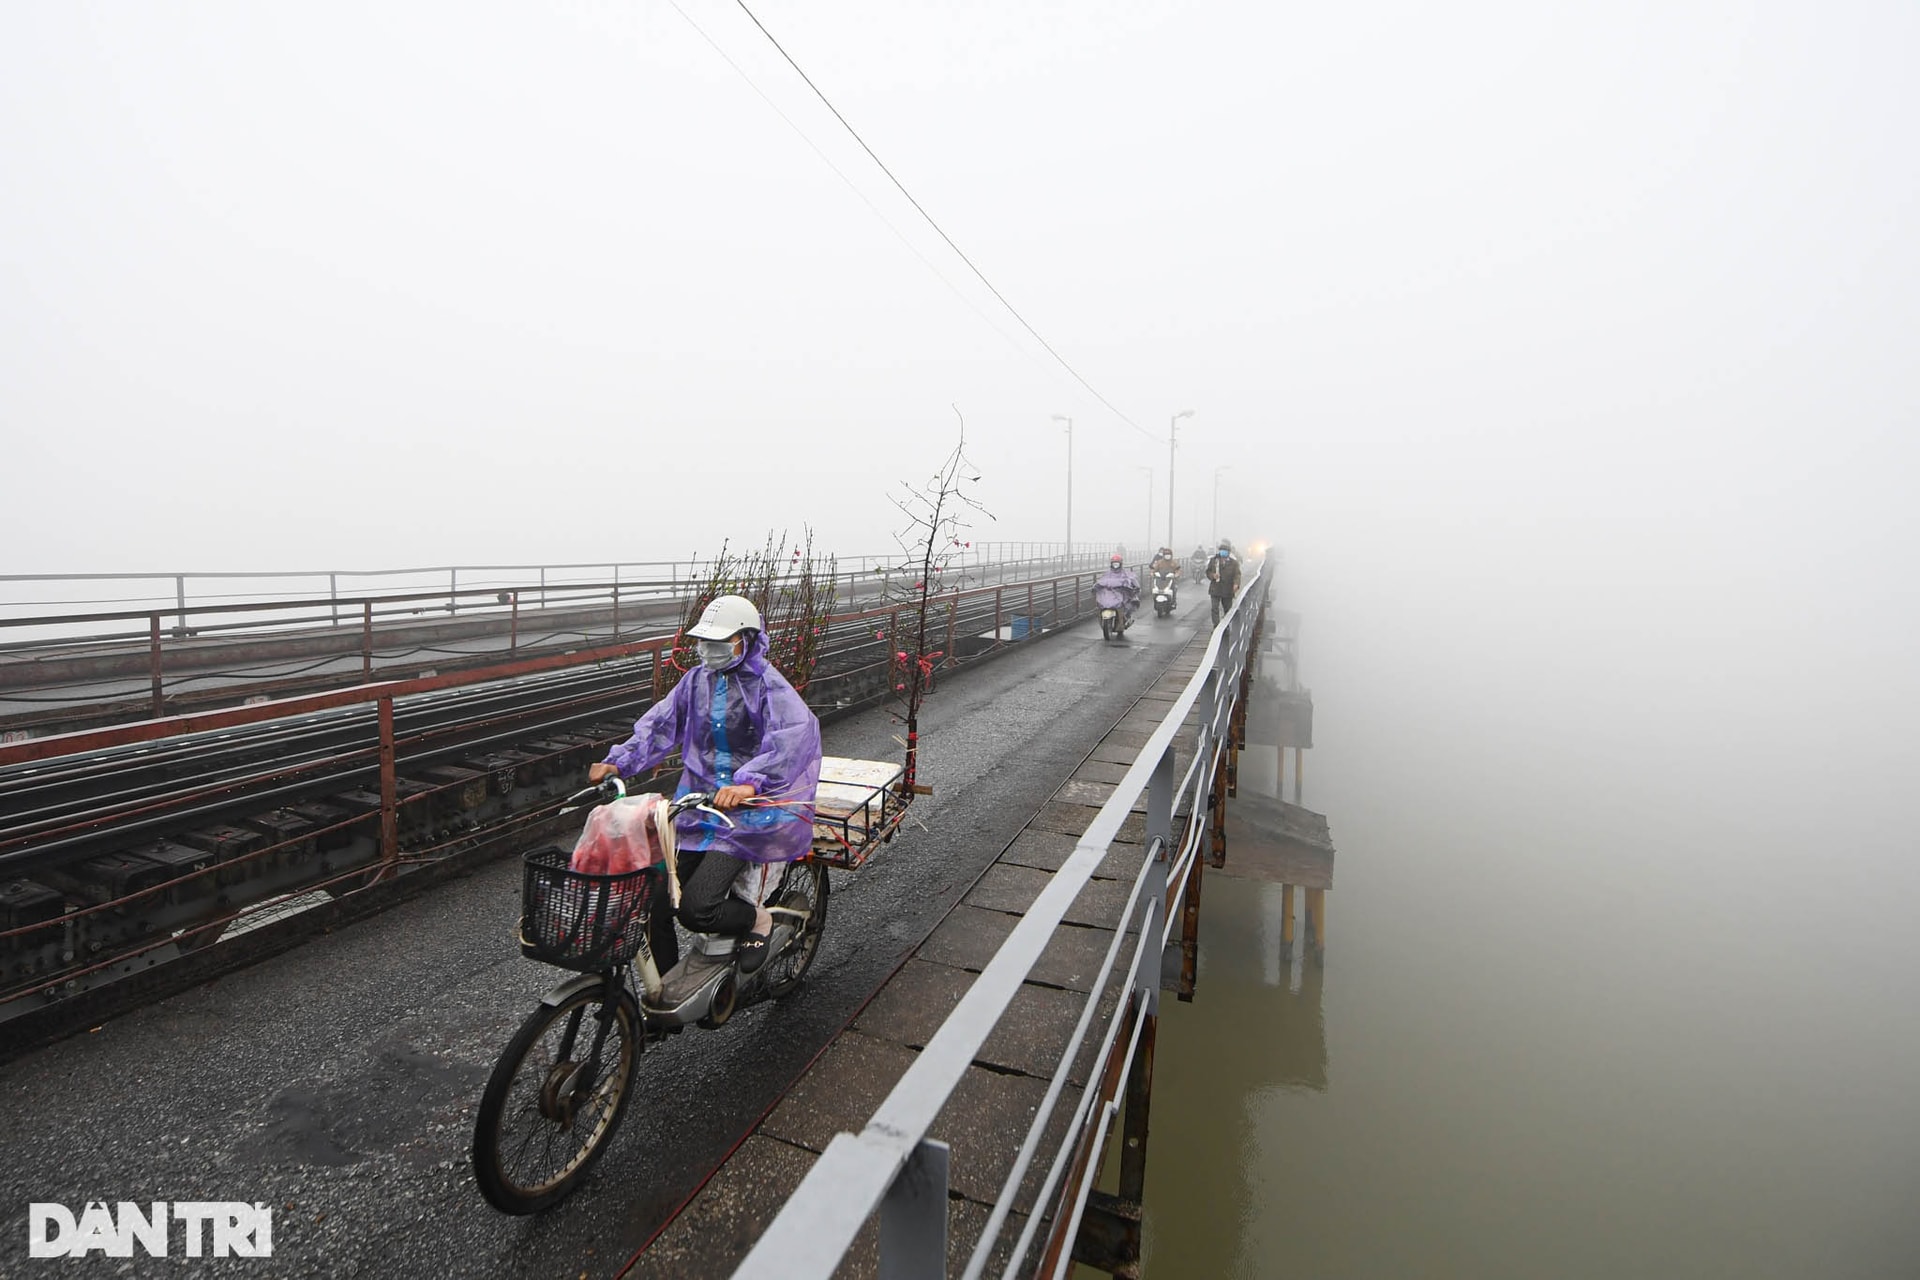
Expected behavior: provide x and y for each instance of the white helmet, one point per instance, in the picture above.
(726, 618)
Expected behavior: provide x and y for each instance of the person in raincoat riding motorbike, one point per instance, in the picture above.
(1117, 588)
(743, 734)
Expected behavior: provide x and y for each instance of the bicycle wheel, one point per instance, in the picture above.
(544, 1118)
(806, 891)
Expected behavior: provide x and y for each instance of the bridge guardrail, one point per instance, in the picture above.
(47, 599)
(195, 644)
(892, 1167)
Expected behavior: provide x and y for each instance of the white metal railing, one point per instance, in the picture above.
(891, 1166)
(38, 610)
(39, 593)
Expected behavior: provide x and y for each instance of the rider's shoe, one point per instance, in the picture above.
(751, 952)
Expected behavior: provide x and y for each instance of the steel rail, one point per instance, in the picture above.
(323, 747)
(322, 750)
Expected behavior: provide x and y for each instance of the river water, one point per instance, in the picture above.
(1621, 981)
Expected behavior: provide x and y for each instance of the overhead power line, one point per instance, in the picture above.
(850, 184)
(921, 210)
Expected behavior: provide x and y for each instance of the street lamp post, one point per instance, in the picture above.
(1069, 421)
(1171, 428)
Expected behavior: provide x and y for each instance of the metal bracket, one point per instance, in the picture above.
(1109, 1238)
(913, 1216)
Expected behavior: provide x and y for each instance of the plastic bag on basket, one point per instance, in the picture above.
(624, 836)
(619, 839)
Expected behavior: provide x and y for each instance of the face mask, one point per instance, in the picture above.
(714, 654)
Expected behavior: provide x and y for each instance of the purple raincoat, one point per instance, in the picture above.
(742, 726)
(1117, 589)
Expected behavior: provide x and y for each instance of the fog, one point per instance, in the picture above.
(383, 285)
(1565, 352)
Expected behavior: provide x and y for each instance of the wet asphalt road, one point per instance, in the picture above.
(338, 1082)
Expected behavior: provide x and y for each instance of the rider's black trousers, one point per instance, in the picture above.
(707, 904)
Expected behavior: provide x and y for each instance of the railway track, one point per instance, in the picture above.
(118, 861)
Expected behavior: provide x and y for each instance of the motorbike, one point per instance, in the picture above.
(1197, 564)
(559, 1089)
(1116, 612)
(1165, 595)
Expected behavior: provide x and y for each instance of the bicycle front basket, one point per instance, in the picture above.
(580, 921)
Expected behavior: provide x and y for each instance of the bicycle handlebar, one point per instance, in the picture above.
(614, 788)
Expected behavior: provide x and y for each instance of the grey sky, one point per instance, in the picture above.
(1550, 270)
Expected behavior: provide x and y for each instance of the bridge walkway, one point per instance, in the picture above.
(988, 1116)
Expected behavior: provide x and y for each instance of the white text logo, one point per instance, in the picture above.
(209, 1228)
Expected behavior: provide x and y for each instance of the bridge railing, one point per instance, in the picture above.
(893, 1168)
(45, 599)
(277, 646)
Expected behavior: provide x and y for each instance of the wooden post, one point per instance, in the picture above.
(1286, 922)
(1139, 1097)
(389, 788)
(1190, 934)
(1299, 767)
(1317, 920)
(1218, 820)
